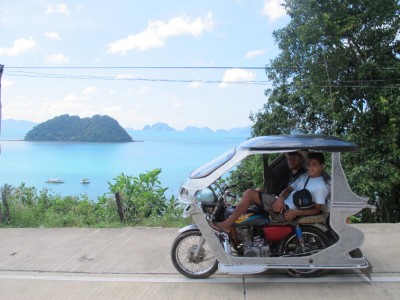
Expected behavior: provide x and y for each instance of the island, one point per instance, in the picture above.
(68, 128)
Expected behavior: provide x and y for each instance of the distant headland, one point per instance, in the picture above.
(17, 130)
(66, 128)
(165, 127)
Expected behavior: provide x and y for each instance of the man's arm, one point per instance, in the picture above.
(279, 204)
(294, 213)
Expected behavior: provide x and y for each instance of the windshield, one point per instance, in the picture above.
(211, 166)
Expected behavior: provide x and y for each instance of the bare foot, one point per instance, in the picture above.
(221, 227)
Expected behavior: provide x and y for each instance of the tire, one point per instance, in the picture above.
(314, 240)
(183, 248)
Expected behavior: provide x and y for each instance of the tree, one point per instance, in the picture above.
(142, 196)
(338, 73)
(6, 191)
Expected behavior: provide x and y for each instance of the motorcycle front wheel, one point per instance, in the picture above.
(314, 241)
(191, 261)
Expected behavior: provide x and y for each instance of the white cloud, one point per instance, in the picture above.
(174, 102)
(25, 108)
(133, 111)
(20, 108)
(131, 92)
(157, 32)
(6, 83)
(273, 9)
(112, 109)
(60, 8)
(143, 90)
(52, 35)
(89, 90)
(20, 46)
(70, 98)
(237, 75)
(194, 85)
(254, 53)
(124, 76)
(68, 105)
(58, 59)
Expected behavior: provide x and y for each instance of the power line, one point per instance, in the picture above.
(116, 78)
(184, 67)
(367, 83)
(139, 67)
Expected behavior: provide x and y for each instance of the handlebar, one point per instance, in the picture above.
(224, 198)
(229, 194)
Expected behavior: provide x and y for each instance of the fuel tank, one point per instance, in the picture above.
(251, 219)
(277, 232)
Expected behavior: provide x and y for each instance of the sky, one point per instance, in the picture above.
(184, 63)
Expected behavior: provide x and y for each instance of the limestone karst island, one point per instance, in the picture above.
(66, 128)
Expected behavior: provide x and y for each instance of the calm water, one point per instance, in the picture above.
(176, 153)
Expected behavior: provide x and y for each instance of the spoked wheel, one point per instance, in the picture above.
(192, 256)
(314, 240)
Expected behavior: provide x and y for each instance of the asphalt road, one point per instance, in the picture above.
(134, 263)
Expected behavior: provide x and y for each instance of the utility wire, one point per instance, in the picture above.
(116, 78)
(347, 83)
(182, 67)
(137, 67)
(16, 71)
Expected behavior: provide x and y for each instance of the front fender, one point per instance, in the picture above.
(189, 228)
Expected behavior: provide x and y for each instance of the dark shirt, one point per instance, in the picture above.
(284, 182)
(293, 177)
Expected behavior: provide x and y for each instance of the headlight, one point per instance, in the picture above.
(205, 195)
(184, 192)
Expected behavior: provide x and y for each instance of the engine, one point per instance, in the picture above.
(254, 244)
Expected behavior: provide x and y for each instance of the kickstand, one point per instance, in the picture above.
(368, 270)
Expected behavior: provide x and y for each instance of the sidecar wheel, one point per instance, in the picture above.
(182, 251)
(314, 239)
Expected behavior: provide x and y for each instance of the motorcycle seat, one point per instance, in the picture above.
(321, 218)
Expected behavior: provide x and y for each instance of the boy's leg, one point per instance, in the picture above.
(267, 200)
(250, 197)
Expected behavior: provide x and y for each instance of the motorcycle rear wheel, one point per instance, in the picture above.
(182, 255)
(314, 240)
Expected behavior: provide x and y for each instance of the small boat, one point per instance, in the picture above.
(54, 180)
(85, 181)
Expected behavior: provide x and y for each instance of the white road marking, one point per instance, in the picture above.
(178, 279)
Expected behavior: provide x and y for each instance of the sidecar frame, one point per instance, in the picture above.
(345, 253)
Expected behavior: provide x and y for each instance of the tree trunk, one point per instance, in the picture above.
(119, 206)
(6, 209)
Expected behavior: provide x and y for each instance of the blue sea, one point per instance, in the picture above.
(177, 153)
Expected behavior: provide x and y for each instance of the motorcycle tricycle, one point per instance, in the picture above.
(304, 247)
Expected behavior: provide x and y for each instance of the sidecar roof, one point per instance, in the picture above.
(281, 143)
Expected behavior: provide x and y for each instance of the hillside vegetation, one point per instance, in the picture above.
(74, 129)
(141, 202)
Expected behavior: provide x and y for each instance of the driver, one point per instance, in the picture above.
(282, 208)
(295, 162)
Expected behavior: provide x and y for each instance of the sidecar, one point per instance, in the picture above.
(343, 253)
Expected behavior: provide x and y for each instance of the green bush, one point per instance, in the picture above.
(142, 196)
(143, 200)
